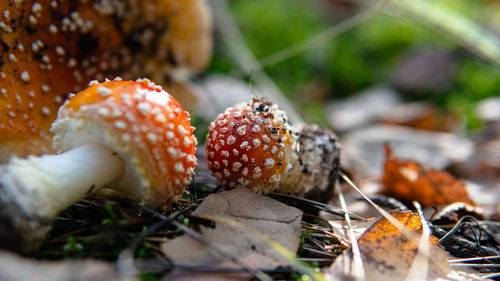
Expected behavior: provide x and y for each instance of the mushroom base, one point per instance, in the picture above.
(315, 158)
(21, 228)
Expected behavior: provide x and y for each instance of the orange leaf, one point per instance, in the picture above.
(408, 181)
(389, 255)
(384, 232)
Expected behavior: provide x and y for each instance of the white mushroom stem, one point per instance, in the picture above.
(58, 181)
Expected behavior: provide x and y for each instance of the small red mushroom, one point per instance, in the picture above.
(49, 48)
(130, 136)
(252, 145)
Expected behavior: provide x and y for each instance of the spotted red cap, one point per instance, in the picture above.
(250, 145)
(142, 123)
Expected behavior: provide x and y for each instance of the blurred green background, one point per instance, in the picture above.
(424, 54)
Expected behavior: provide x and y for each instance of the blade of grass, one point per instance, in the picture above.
(420, 265)
(401, 227)
(461, 29)
(358, 270)
(491, 276)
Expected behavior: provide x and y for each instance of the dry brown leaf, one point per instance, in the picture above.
(408, 181)
(255, 216)
(382, 232)
(388, 255)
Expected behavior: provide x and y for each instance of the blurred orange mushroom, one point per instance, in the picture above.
(49, 48)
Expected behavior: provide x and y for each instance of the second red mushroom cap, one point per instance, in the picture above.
(252, 145)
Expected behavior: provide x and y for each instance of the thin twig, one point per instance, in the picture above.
(475, 259)
(317, 252)
(152, 228)
(459, 225)
(463, 244)
(475, 265)
(319, 260)
(323, 220)
(330, 236)
(222, 269)
(321, 206)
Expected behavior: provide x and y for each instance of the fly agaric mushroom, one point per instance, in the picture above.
(49, 48)
(252, 144)
(131, 136)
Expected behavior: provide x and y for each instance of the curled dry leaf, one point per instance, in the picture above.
(364, 158)
(408, 181)
(255, 216)
(452, 213)
(388, 255)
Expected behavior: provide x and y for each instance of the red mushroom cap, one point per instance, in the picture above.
(142, 123)
(250, 145)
